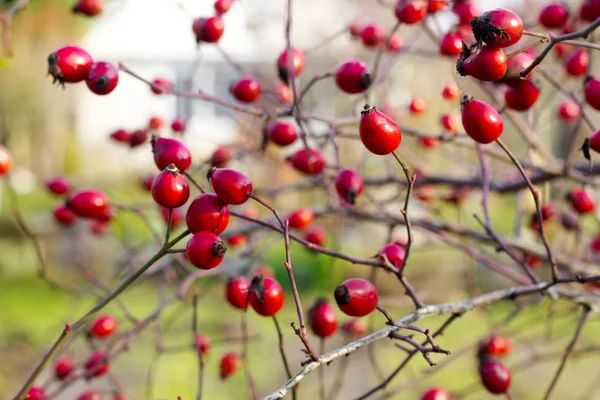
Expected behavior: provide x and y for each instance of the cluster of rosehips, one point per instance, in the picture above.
(138, 137)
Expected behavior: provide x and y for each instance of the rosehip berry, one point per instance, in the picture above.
(265, 295)
(160, 85)
(498, 346)
(170, 189)
(59, 185)
(521, 97)
(595, 247)
(411, 11)
(554, 15)
(353, 77)
(568, 110)
(301, 218)
(514, 66)
(481, 121)
(98, 227)
(246, 90)
(138, 138)
(417, 105)
(5, 161)
(450, 91)
(581, 201)
(356, 29)
(533, 261)
(465, 11)
(595, 141)
(96, 365)
(102, 78)
(237, 240)
(317, 236)
(147, 182)
(103, 327)
(425, 193)
(69, 64)
(498, 28)
(349, 185)
(451, 44)
(155, 123)
(282, 133)
(36, 393)
(494, 376)
(577, 63)
(591, 89)
(230, 363)
(202, 343)
(88, 203)
(373, 35)
(589, 10)
(176, 216)
(207, 213)
(179, 125)
(436, 5)
(208, 30)
(429, 142)
(457, 195)
(64, 367)
(310, 162)
(322, 318)
(284, 93)
(436, 394)
(221, 157)
(236, 291)
(356, 297)
(230, 186)
(355, 327)
(378, 132)
(205, 250)
(395, 44)
(394, 253)
(222, 6)
(90, 8)
(297, 62)
(64, 216)
(547, 211)
(170, 151)
(90, 395)
(487, 64)
(121, 136)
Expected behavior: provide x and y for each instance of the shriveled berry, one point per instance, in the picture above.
(591, 90)
(102, 78)
(69, 64)
(322, 319)
(498, 28)
(301, 218)
(59, 185)
(208, 30)
(266, 295)
(103, 327)
(494, 376)
(378, 132)
(221, 157)
(90, 8)
(236, 292)
(310, 162)
(554, 15)
(231, 186)
(170, 151)
(207, 213)
(89, 203)
(205, 250)
(230, 363)
(356, 297)
(170, 189)
(296, 60)
(246, 90)
(349, 185)
(481, 121)
(353, 77)
(96, 365)
(282, 133)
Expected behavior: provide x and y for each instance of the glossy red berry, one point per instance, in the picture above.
(589, 10)
(554, 15)
(521, 97)
(96, 365)
(310, 162)
(595, 141)
(121, 136)
(155, 123)
(494, 376)
(102, 78)
(36, 393)
(69, 64)
(222, 6)
(90, 395)
(322, 319)
(498, 346)
(179, 125)
(450, 91)
(498, 28)
(353, 77)
(221, 157)
(246, 90)
(436, 393)
(378, 132)
(349, 185)
(451, 44)
(170, 151)
(202, 344)
(176, 216)
(417, 105)
(356, 297)
(296, 60)
(282, 133)
(465, 11)
(205, 250)
(265, 296)
(90, 8)
(208, 30)
(138, 138)
(373, 35)
(59, 185)
(316, 235)
(64, 216)
(88, 203)
(207, 213)
(103, 327)
(394, 253)
(577, 63)
(411, 11)
(64, 367)
(591, 90)
(231, 186)
(481, 121)
(236, 291)
(355, 327)
(487, 64)
(170, 189)
(159, 85)
(568, 110)
(230, 363)
(581, 201)
(301, 218)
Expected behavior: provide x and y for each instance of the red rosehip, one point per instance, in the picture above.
(176, 216)
(102, 78)
(138, 138)
(222, 6)
(59, 185)
(301, 218)
(589, 10)
(179, 125)
(450, 91)
(395, 44)
(69, 64)
(591, 89)
(581, 201)
(568, 110)
(246, 90)
(356, 29)
(554, 15)
(237, 240)
(349, 185)
(147, 182)
(236, 291)
(97, 227)
(155, 123)
(378, 132)
(170, 189)
(64, 216)
(265, 296)
(282, 133)
(160, 85)
(36, 393)
(451, 44)
(103, 327)
(498, 28)
(96, 365)
(533, 261)
(487, 64)
(221, 157)
(595, 141)
(284, 93)
(356, 297)
(457, 195)
(595, 246)
(207, 213)
(202, 343)
(481, 121)
(373, 35)
(205, 250)
(5, 161)
(353, 77)
(88, 203)
(170, 151)
(436, 5)
(310, 162)
(465, 11)
(411, 11)
(498, 346)
(547, 211)
(436, 394)
(429, 142)
(90, 395)
(208, 30)
(90, 8)
(577, 63)
(316, 235)
(425, 193)
(64, 367)
(230, 186)
(355, 327)
(521, 97)
(494, 376)
(322, 319)
(417, 105)
(394, 253)
(230, 363)
(121, 136)
(297, 62)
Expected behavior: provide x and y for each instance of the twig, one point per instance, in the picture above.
(282, 352)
